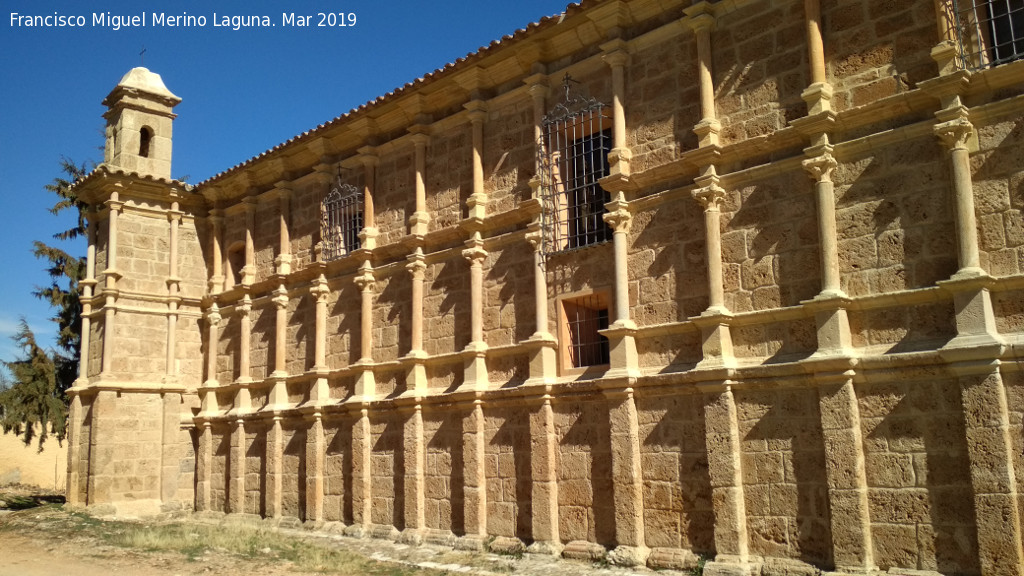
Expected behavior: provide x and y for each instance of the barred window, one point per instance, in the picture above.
(573, 156)
(341, 220)
(583, 318)
(988, 32)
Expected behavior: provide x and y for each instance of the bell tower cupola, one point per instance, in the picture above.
(139, 124)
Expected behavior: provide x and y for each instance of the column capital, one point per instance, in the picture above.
(701, 17)
(955, 133)
(245, 307)
(365, 279)
(820, 167)
(320, 290)
(474, 251)
(711, 196)
(280, 298)
(368, 156)
(477, 111)
(417, 265)
(618, 215)
(113, 204)
(616, 56)
(213, 314)
(420, 136)
(535, 235)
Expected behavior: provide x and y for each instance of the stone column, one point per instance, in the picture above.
(315, 451)
(420, 219)
(627, 481)
(283, 262)
(244, 338)
(702, 21)
(280, 301)
(236, 461)
(112, 275)
(415, 477)
(477, 201)
(475, 472)
(362, 492)
(852, 550)
(416, 376)
(173, 286)
(820, 165)
(991, 453)
(542, 344)
(204, 464)
(213, 319)
(476, 351)
(87, 284)
(249, 270)
(544, 469)
(714, 322)
(818, 95)
(74, 495)
(368, 236)
(622, 333)
(726, 475)
(955, 132)
(275, 467)
(616, 56)
(366, 386)
(216, 283)
(320, 393)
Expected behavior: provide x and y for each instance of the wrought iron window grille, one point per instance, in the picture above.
(341, 220)
(584, 318)
(987, 32)
(572, 156)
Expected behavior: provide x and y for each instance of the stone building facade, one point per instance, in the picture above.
(649, 281)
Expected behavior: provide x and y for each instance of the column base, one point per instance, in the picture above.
(629, 555)
(584, 550)
(544, 548)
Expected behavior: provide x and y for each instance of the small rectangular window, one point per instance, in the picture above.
(341, 221)
(988, 32)
(584, 317)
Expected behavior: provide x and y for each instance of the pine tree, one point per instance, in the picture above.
(34, 396)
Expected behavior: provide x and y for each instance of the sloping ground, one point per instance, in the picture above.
(21, 464)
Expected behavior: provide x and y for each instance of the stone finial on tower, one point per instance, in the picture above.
(139, 124)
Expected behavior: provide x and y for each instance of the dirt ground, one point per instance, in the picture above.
(39, 537)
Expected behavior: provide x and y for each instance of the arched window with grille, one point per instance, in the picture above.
(987, 32)
(341, 220)
(573, 157)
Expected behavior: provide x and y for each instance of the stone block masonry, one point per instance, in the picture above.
(806, 306)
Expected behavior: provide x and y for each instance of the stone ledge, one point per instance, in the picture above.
(583, 550)
(506, 545)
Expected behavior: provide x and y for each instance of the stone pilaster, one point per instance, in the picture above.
(702, 21)
(315, 451)
(820, 165)
(173, 286)
(818, 95)
(170, 444)
(852, 549)
(236, 465)
(990, 449)
(714, 322)
(477, 201)
(544, 466)
(542, 344)
(74, 494)
(275, 467)
(726, 474)
(280, 300)
(627, 481)
(283, 262)
(616, 56)
(476, 351)
(420, 219)
(416, 374)
(249, 270)
(88, 286)
(110, 293)
(366, 386)
(216, 282)
(415, 477)
(368, 236)
(204, 467)
(622, 333)
(362, 493)
(475, 472)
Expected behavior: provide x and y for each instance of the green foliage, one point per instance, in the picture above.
(31, 402)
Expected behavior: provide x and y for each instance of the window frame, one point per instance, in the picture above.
(985, 36)
(597, 300)
(341, 220)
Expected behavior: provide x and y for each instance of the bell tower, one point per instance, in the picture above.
(140, 118)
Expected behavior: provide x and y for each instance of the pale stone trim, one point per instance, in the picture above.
(819, 166)
(476, 377)
(217, 256)
(416, 377)
(173, 287)
(420, 219)
(284, 256)
(477, 201)
(819, 94)
(701, 20)
(248, 272)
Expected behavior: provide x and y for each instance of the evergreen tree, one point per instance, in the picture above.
(34, 395)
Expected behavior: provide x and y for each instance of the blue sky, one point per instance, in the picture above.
(243, 92)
